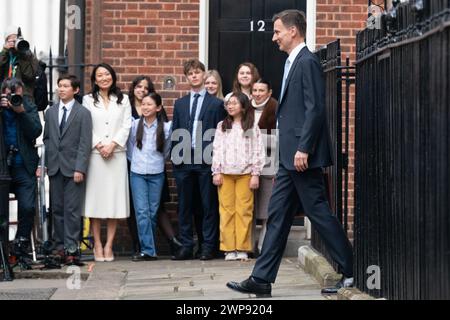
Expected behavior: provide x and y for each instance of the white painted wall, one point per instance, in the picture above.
(204, 32)
(39, 20)
(311, 18)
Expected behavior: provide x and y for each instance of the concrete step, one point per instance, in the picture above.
(296, 239)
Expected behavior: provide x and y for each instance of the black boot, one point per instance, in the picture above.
(21, 252)
(21, 247)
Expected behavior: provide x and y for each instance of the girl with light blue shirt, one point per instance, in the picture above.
(148, 148)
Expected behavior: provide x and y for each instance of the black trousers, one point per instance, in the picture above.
(290, 188)
(186, 177)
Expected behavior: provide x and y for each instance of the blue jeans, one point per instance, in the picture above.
(146, 190)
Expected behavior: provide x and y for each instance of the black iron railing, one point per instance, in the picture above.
(337, 77)
(402, 178)
(61, 65)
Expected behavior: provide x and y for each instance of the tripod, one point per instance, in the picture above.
(8, 274)
(47, 246)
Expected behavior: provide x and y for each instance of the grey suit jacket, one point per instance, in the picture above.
(69, 151)
(301, 114)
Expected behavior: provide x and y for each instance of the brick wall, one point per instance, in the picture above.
(154, 37)
(151, 37)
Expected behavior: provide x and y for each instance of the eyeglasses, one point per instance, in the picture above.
(232, 103)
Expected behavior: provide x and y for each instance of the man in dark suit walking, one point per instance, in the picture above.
(195, 116)
(304, 147)
(68, 144)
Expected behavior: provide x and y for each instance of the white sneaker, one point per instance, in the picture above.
(241, 255)
(230, 256)
(348, 282)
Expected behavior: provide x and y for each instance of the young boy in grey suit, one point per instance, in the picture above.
(68, 144)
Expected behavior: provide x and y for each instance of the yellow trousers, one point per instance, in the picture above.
(236, 213)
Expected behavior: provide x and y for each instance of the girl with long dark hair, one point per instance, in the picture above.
(140, 87)
(238, 159)
(149, 146)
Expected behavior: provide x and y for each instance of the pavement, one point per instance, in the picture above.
(163, 279)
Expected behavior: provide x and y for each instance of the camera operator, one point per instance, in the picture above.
(17, 60)
(21, 127)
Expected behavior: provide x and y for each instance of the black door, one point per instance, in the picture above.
(242, 30)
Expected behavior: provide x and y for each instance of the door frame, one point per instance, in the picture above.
(203, 39)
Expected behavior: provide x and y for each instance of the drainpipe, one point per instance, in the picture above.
(62, 33)
(76, 40)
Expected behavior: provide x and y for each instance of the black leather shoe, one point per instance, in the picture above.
(174, 246)
(206, 255)
(143, 257)
(262, 290)
(183, 254)
(343, 283)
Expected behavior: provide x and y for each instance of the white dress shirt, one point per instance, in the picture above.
(68, 106)
(202, 94)
(293, 55)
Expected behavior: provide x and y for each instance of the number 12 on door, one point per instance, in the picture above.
(260, 24)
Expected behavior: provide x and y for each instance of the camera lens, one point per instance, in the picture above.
(16, 100)
(23, 46)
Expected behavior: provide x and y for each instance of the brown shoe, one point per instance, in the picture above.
(59, 255)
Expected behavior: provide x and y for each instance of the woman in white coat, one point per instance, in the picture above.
(107, 194)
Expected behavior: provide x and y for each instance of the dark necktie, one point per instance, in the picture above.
(63, 121)
(193, 112)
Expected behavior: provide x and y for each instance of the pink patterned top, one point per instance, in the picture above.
(236, 153)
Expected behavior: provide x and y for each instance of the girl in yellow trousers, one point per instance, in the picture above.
(238, 159)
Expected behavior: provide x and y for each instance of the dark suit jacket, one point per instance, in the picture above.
(29, 128)
(211, 113)
(71, 150)
(301, 114)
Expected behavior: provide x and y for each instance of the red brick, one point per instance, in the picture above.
(127, 29)
(169, 15)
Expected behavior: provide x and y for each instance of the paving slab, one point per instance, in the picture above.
(163, 279)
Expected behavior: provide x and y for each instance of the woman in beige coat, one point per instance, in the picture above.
(107, 194)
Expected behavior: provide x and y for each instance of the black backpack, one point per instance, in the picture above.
(40, 88)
